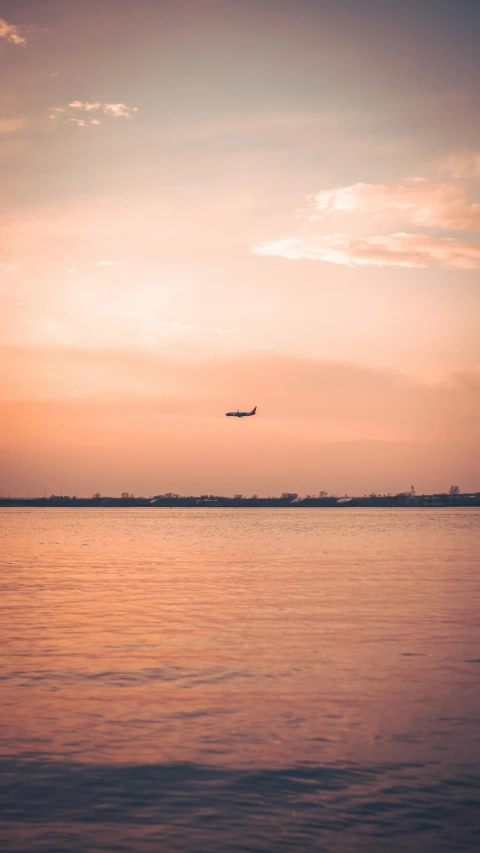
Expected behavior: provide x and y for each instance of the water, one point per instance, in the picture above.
(217, 680)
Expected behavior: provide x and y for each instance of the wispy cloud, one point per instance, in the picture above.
(379, 224)
(398, 249)
(89, 112)
(11, 33)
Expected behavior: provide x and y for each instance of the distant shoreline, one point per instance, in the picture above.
(377, 501)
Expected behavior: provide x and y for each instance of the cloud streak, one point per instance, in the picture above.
(398, 249)
(11, 33)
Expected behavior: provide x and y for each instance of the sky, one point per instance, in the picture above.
(215, 204)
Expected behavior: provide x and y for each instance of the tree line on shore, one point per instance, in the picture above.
(454, 497)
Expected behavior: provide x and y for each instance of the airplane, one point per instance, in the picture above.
(241, 414)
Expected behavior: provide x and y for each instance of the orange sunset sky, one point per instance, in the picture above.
(214, 205)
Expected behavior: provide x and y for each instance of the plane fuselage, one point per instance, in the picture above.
(239, 414)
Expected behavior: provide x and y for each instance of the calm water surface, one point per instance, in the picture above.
(239, 680)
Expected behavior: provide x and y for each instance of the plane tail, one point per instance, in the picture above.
(253, 412)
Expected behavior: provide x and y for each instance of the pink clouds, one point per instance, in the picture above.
(116, 110)
(398, 249)
(415, 250)
(119, 110)
(377, 224)
(86, 108)
(11, 33)
(85, 105)
(416, 201)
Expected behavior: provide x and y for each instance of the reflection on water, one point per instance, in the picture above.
(239, 680)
